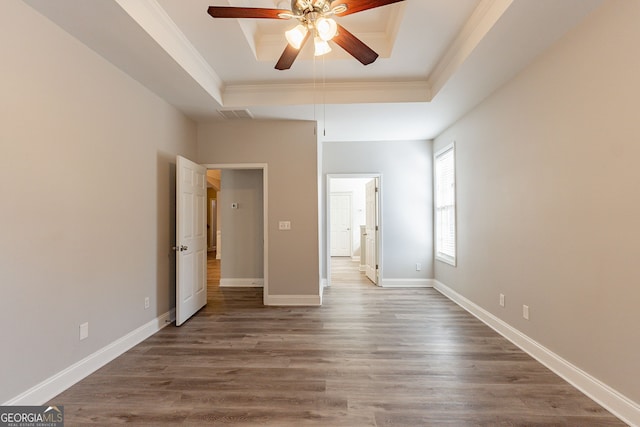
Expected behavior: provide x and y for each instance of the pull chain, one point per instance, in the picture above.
(324, 100)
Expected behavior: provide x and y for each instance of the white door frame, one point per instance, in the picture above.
(213, 206)
(331, 176)
(265, 210)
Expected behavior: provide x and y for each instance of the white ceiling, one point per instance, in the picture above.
(438, 58)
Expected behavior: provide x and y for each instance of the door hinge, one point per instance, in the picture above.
(376, 189)
(376, 266)
(376, 228)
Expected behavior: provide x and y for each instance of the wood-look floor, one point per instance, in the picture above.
(367, 357)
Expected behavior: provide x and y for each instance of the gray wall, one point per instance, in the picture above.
(289, 148)
(548, 199)
(87, 183)
(407, 201)
(242, 228)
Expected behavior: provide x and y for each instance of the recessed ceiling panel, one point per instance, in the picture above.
(410, 38)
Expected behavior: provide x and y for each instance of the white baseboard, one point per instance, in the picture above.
(616, 403)
(53, 386)
(242, 283)
(355, 258)
(362, 268)
(293, 300)
(406, 283)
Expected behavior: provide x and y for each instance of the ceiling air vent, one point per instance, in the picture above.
(235, 114)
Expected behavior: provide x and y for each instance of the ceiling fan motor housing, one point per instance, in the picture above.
(302, 7)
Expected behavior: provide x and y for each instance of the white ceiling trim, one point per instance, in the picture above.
(330, 93)
(154, 20)
(248, 28)
(485, 16)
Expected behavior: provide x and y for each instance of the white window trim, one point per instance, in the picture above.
(451, 260)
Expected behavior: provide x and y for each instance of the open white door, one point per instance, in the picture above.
(191, 239)
(371, 230)
(340, 223)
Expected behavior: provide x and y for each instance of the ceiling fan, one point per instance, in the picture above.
(315, 19)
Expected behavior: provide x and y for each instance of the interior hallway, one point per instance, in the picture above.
(345, 271)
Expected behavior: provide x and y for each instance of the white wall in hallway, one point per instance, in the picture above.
(355, 186)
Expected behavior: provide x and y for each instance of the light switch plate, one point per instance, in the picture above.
(284, 225)
(84, 331)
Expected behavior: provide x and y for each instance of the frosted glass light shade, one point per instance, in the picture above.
(321, 46)
(295, 36)
(327, 28)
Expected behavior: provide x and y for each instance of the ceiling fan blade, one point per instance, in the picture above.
(354, 46)
(289, 55)
(354, 6)
(245, 12)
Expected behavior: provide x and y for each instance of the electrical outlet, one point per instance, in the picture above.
(146, 303)
(501, 300)
(525, 311)
(418, 266)
(84, 331)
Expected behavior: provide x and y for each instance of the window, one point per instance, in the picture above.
(445, 204)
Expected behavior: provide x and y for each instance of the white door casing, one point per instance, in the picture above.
(341, 219)
(218, 229)
(371, 230)
(191, 239)
(213, 225)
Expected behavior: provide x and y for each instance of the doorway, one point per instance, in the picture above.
(213, 212)
(362, 230)
(241, 202)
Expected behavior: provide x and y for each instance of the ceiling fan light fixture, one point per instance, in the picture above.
(315, 18)
(296, 35)
(327, 28)
(321, 46)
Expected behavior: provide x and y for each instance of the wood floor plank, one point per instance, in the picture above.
(368, 357)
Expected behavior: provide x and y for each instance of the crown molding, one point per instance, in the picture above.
(474, 31)
(328, 93)
(151, 17)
